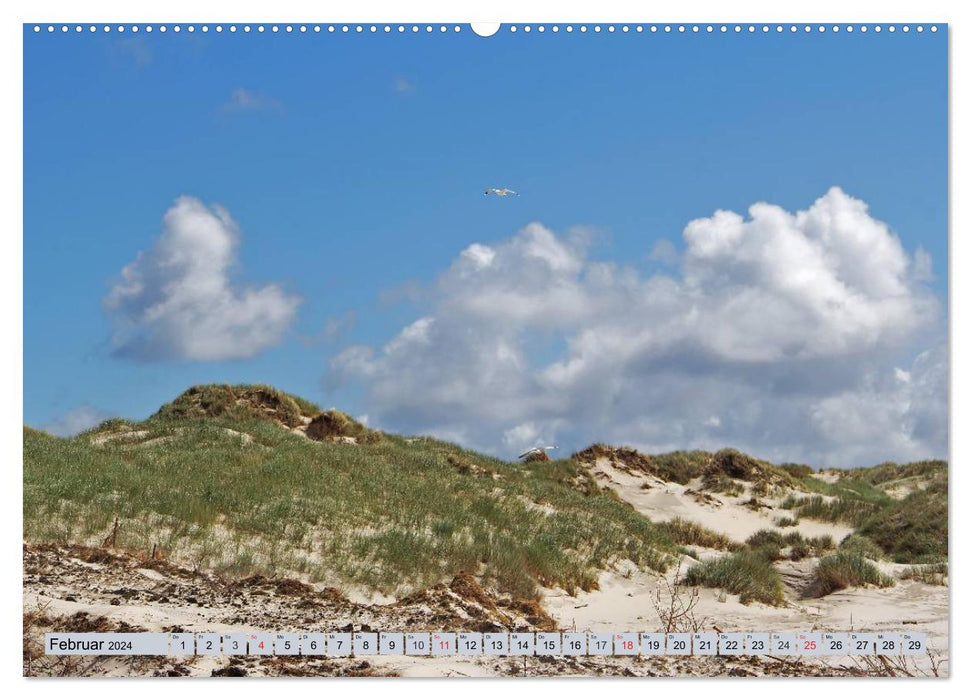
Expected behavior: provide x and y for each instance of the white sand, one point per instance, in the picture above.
(665, 501)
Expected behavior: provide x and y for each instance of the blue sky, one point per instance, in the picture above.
(354, 167)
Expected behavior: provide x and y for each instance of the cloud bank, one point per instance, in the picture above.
(807, 336)
(177, 300)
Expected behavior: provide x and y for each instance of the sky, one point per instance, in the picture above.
(719, 240)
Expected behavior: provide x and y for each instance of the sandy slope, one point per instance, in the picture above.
(663, 501)
(626, 602)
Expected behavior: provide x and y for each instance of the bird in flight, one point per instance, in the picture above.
(500, 191)
(537, 450)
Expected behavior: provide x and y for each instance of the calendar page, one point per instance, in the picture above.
(496, 350)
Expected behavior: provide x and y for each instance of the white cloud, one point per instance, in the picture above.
(904, 412)
(78, 419)
(177, 300)
(777, 325)
(241, 99)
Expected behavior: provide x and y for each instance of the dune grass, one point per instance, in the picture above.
(771, 543)
(747, 574)
(797, 471)
(842, 570)
(862, 545)
(847, 510)
(240, 402)
(392, 515)
(849, 487)
(214, 481)
(891, 471)
(688, 533)
(681, 466)
(914, 529)
(932, 574)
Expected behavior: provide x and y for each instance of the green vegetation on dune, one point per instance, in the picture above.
(747, 574)
(241, 495)
(797, 471)
(720, 471)
(248, 479)
(679, 467)
(733, 464)
(334, 423)
(851, 511)
(848, 487)
(891, 471)
(771, 543)
(687, 533)
(238, 402)
(682, 466)
(914, 529)
(862, 545)
(842, 570)
(911, 530)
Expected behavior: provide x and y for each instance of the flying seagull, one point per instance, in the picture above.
(537, 450)
(500, 191)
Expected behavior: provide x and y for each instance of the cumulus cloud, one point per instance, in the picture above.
(782, 334)
(178, 301)
(78, 419)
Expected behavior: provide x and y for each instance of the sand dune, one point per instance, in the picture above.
(663, 501)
